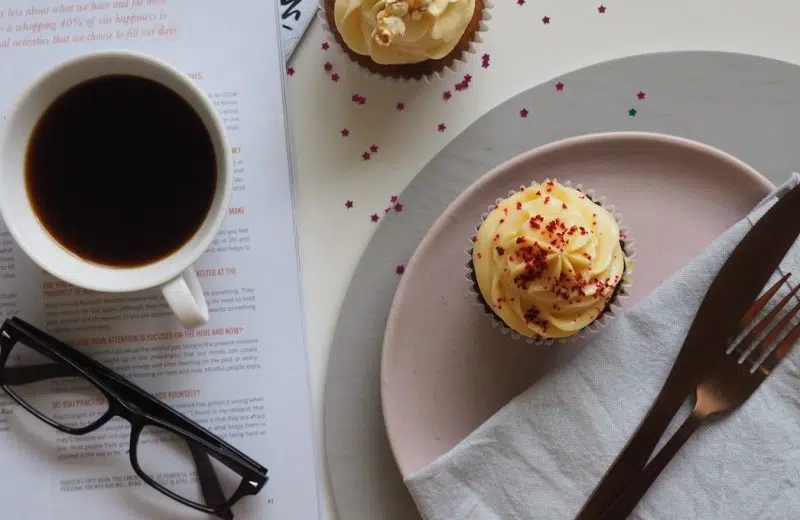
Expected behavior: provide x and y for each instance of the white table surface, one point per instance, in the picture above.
(329, 169)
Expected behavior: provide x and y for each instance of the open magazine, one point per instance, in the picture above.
(243, 375)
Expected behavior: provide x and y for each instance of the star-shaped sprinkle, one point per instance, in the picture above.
(398, 207)
(632, 112)
(345, 132)
(523, 113)
(559, 86)
(387, 210)
(348, 204)
(358, 99)
(393, 199)
(373, 148)
(366, 156)
(374, 217)
(601, 9)
(442, 127)
(641, 95)
(546, 20)
(290, 71)
(400, 269)
(401, 106)
(447, 95)
(468, 78)
(461, 85)
(325, 46)
(335, 77)
(485, 59)
(328, 66)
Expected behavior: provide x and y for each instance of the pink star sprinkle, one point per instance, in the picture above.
(400, 269)
(345, 132)
(485, 61)
(387, 210)
(328, 67)
(523, 113)
(601, 9)
(442, 127)
(546, 20)
(348, 204)
(334, 77)
(366, 156)
(401, 107)
(393, 199)
(641, 95)
(373, 148)
(461, 86)
(374, 217)
(325, 46)
(468, 78)
(358, 99)
(559, 86)
(398, 207)
(447, 95)
(290, 71)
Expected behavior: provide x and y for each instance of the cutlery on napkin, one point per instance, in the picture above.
(718, 319)
(542, 454)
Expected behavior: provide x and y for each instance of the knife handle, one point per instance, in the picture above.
(629, 499)
(635, 455)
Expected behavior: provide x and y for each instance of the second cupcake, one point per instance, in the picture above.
(548, 261)
(410, 39)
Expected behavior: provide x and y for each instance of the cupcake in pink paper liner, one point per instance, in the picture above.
(550, 263)
(407, 40)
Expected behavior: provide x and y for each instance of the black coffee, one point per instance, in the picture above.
(121, 171)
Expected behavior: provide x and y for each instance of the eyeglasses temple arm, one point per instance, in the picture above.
(212, 489)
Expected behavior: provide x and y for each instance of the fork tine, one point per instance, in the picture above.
(784, 347)
(760, 303)
(761, 326)
(773, 335)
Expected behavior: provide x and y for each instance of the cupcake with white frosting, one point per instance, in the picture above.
(548, 262)
(406, 39)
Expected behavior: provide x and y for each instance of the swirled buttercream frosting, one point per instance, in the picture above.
(548, 260)
(394, 32)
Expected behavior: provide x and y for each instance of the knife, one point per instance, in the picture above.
(737, 284)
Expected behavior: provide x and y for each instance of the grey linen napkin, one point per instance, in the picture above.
(542, 454)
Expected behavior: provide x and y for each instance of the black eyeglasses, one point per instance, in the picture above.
(168, 451)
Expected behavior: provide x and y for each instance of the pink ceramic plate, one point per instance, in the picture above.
(445, 370)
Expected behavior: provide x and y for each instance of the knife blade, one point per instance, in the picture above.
(736, 285)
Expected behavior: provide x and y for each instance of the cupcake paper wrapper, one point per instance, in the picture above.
(455, 67)
(615, 305)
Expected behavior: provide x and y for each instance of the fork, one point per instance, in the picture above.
(740, 372)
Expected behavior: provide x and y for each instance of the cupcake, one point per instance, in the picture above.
(409, 39)
(549, 261)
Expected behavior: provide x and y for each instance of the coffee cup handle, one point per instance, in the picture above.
(185, 297)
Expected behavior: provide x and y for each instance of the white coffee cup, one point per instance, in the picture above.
(174, 274)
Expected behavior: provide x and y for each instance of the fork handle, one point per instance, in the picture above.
(634, 456)
(626, 502)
